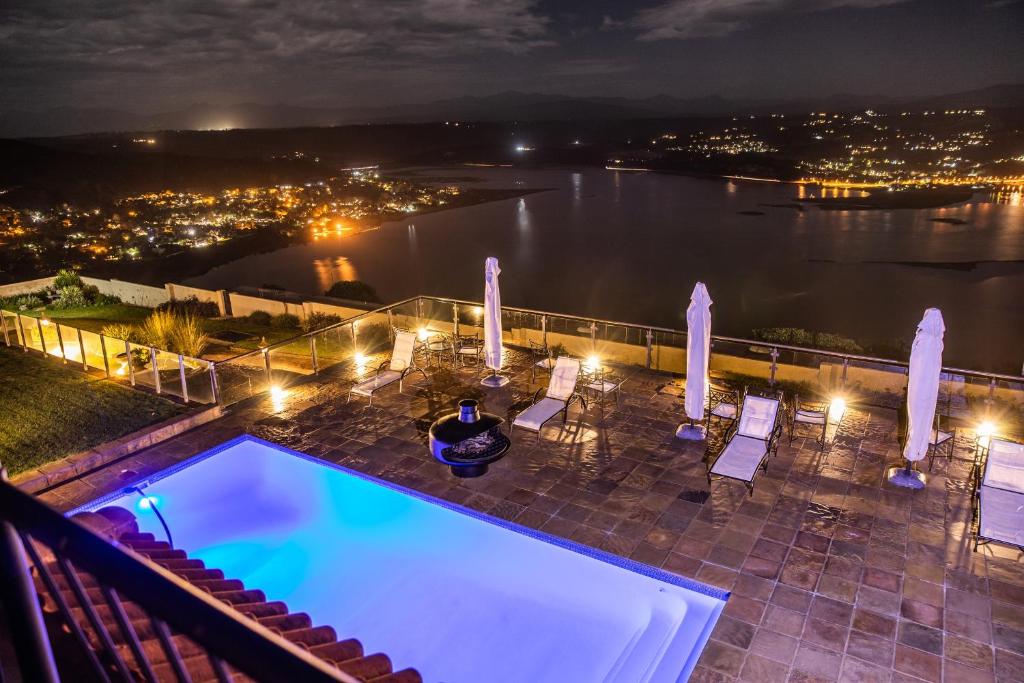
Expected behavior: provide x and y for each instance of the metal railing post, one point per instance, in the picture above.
(214, 389)
(156, 368)
(355, 337)
(846, 366)
(266, 365)
(60, 344)
(24, 337)
(991, 392)
(181, 374)
(391, 326)
(544, 330)
(775, 366)
(419, 312)
(312, 356)
(650, 347)
(130, 362)
(42, 337)
(103, 350)
(455, 319)
(81, 348)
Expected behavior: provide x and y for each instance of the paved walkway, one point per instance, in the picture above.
(834, 574)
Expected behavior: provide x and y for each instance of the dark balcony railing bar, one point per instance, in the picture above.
(32, 531)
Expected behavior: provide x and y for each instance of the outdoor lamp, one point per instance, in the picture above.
(836, 410)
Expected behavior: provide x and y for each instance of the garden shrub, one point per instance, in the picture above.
(260, 318)
(191, 306)
(28, 302)
(317, 321)
(67, 278)
(122, 331)
(71, 296)
(354, 290)
(285, 321)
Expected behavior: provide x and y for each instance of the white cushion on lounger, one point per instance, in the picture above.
(1002, 516)
(757, 419)
(811, 417)
(726, 410)
(740, 458)
(401, 354)
(384, 378)
(1005, 468)
(534, 417)
(562, 384)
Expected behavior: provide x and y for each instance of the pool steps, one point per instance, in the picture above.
(298, 628)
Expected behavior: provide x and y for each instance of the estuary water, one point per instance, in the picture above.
(629, 246)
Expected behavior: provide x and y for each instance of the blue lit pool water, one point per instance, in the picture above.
(456, 594)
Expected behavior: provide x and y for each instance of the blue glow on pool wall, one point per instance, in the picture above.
(411, 577)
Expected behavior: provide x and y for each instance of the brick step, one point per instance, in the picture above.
(298, 628)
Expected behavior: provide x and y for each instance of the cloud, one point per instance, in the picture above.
(103, 43)
(682, 19)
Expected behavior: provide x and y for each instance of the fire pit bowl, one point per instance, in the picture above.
(468, 441)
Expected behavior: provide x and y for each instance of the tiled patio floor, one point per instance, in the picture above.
(834, 574)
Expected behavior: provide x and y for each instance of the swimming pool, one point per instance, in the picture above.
(456, 594)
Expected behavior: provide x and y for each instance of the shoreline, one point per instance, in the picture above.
(195, 262)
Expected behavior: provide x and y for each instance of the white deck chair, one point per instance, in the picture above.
(561, 392)
(755, 437)
(1001, 495)
(398, 367)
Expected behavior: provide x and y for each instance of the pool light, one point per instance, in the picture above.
(423, 334)
(148, 503)
(593, 362)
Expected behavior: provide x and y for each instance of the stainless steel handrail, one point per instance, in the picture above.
(654, 328)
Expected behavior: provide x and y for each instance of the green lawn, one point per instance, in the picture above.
(93, 318)
(48, 410)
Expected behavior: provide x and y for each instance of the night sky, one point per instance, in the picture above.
(153, 56)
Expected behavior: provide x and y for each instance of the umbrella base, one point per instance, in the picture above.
(691, 432)
(899, 476)
(494, 381)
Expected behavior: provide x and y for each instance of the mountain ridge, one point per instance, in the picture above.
(510, 105)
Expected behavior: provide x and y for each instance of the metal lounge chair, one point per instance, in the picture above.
(390, 371)
(943, 439)
(560, 394)
(468, 348)
(812, 415)
(723, 404)
(754, 437)
(1000, 497)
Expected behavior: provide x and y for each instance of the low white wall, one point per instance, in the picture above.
(329, 309)
(178, 292)
(130, 292)
(26, 287)
(242, 305)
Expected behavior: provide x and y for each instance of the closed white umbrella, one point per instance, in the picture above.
(698, 353)
(922, 394)
(492, 324)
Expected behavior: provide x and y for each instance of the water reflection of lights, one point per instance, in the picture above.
(331, 270)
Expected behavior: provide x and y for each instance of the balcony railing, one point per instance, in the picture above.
(859, 379)
(104, 596)
(164, 372)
